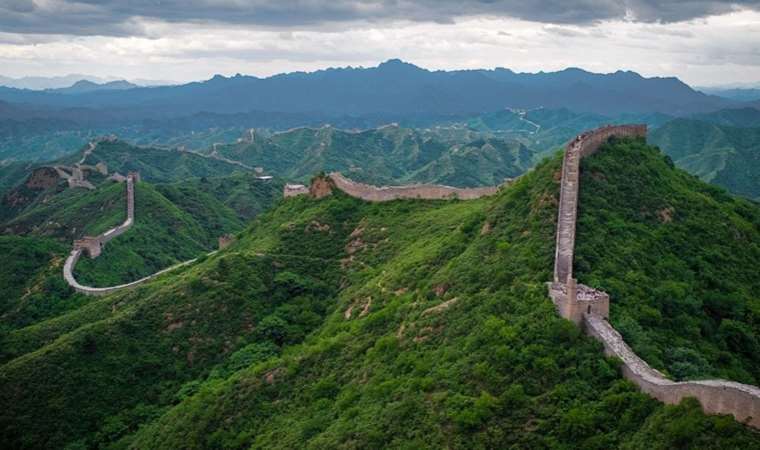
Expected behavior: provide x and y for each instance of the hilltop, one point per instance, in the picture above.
(340, 323)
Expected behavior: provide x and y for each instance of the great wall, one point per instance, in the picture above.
(589, 308)
(585, 306)
(388, 193)
(93, 246)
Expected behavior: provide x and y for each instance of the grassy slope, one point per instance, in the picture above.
(177, 222)
(679, 259)
(212, 357)
(241, 192)
(72, 213)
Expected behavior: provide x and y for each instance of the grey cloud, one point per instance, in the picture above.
(21, 6)
(120, 17)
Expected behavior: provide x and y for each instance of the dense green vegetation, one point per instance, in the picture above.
(33, 288)
(162, 235)
(155, 165)
(386, 155)
(70, 213)
(336, 323)
(728, 156)
(679, 259)
(243, 193)
(41, 140)
(12, 174)
(175, 222)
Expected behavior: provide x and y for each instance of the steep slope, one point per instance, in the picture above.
(724, 155)
(33, 289)
(176, 222)
(677, 257)
(337, 323)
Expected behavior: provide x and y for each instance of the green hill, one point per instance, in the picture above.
(724, 155)
(155, 165)
(174, 222)
(676, 256)
(386, 155)
(33, 288)
(336, 323)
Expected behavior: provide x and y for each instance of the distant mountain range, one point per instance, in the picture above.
(65, 81)
(83, 86)
(393, 88)
(740, 94)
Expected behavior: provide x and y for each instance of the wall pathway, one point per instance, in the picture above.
(716, 396)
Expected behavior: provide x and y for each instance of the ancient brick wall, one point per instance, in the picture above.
(716, 396)
(93, 245)
(589, 308)
(418, 191)
(583, 145)
(71, 261)
(85, 243)
(292, 190)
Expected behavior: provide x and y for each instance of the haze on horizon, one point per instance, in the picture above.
(702, 42)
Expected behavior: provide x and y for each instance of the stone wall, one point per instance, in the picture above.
(716, 396)
(589, 308)
(415, 191)
(583, 145)
(225, 241)
(71, 261)
(292, 190)
(573, 301)
(93, 245)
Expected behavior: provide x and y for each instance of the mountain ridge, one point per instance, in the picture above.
(397, 87)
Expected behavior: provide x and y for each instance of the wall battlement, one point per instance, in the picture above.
(589, 308)
(371, 193)
(414, 191)
(583, 145)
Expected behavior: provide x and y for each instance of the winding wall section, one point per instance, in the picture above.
(371, 193)
(94, 244)
(589, 308)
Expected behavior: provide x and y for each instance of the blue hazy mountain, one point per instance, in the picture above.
(395, 87)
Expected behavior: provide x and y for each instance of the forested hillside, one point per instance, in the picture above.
(676, 255)
(728, 156)
(336, 323)
(386, 155)
(175, 221)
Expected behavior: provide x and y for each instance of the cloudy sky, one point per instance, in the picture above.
(703, 42)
